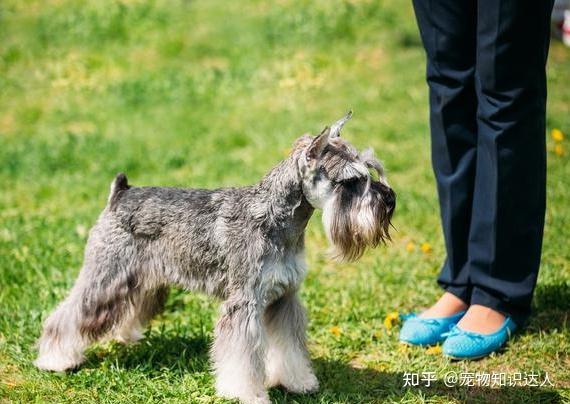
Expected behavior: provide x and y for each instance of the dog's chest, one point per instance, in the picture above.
(282, 276)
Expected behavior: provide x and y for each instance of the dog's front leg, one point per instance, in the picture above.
(288, 362)
(238, 353)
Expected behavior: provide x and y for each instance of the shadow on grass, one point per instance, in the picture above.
(551, 307)
(156, 353)
(339, 382)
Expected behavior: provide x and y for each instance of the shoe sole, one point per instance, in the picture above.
(460, 358)
(468, 358)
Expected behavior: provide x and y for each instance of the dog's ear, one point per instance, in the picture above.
(337, 126)
(318, 145)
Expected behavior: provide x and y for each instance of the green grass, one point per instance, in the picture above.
(211, 93)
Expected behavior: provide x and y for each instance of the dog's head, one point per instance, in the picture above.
(351, 189)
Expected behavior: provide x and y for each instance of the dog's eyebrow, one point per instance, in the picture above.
(339, 146)
(342, 167)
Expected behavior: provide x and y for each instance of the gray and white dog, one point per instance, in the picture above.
(244, 246)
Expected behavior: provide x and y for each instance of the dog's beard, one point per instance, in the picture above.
(358, 216)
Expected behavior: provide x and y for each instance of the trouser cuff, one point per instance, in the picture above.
(484, 298)
(462, 292)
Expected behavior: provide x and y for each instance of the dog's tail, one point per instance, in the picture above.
(119, 184)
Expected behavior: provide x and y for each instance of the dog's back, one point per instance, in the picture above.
(186, 236)
(148, 212)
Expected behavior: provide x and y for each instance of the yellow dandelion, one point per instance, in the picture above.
(410, 247)
(391, 319)
(434, 350)
(559, 150)
(426, 248)
(335, 330)
(286, 151)
(557, 135)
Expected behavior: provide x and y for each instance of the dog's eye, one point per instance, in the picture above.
(347, 181)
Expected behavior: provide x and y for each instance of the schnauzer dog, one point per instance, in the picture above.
(244, 246)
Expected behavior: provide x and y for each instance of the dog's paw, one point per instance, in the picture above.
(56, 363)
(259, 400)
(242, 391)
(128, 337)
(246, 398)
(305, 385)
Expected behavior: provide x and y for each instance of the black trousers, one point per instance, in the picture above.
(486, 75)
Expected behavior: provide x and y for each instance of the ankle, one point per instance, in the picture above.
(482, 319)
(447, 305)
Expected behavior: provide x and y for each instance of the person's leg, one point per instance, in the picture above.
(448, 31)
(509, 198)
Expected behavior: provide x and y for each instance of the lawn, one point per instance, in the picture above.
(210, 93)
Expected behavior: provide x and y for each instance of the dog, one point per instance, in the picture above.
(244, 246)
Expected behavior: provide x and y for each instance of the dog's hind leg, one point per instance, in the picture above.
(104, 294)
(62, 343)
(90, 312)
(287, 359)
(148, 305)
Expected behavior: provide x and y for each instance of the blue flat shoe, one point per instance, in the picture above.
(426, 331)
(462, 344)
